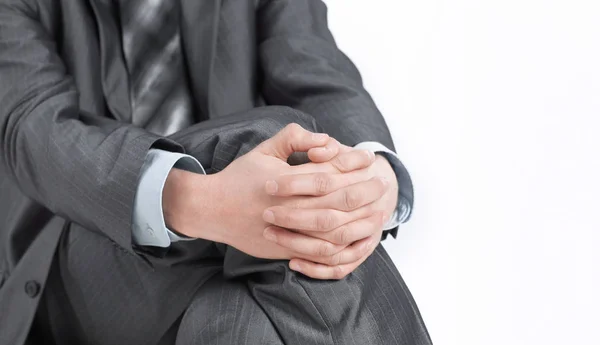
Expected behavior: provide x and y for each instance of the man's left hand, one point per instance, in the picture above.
(369, 203)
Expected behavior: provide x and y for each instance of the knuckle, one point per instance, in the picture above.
(351, 199)
(325, 221)
(340, 163)
(374, 220)
(293, 130)
(334, 260)
(370, 209)
(342, 235)
(324, 248)
(339, 272)
(292, 127)
(322, 183)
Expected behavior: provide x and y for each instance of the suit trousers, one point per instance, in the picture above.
(273, 307)
(371, 306)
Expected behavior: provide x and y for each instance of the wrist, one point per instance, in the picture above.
(173, 192)
(186, 204)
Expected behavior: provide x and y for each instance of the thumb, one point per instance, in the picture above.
(328, 152)
(292, 138)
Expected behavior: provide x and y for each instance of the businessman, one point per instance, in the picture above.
(193, 172)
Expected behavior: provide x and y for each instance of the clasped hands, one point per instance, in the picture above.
(326, 216)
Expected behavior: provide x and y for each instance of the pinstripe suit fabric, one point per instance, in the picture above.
(70, 157)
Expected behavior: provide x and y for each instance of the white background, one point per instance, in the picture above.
(495, 109)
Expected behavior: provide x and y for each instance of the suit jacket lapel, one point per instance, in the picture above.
(199, 28)
(115, 78)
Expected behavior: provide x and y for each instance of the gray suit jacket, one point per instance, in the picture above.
(69, 159)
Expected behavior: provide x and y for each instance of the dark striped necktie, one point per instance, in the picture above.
(159, 93)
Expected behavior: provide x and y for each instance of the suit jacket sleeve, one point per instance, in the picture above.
(303, 68)
(81, 166)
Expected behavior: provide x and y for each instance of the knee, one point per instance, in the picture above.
(277, 117)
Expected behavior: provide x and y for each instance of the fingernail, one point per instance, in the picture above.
(371, 155)
(294, 266)
(268, 216)
(384, 181)
(319, 136)
(271, 187)
(270, 235)
(367, 245)
(323, 149)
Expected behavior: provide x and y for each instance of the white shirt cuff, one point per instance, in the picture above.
(148, 224)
